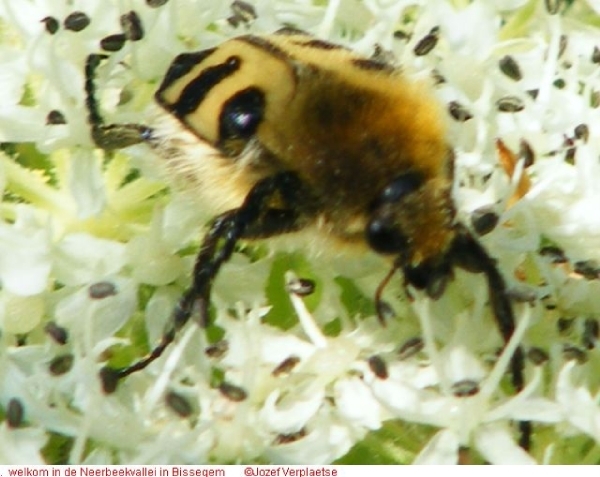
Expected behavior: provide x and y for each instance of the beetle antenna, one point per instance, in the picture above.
(380, 305)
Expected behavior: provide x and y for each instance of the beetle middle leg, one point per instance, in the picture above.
(255, 218)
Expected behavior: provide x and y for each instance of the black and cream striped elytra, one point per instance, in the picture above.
(285, 131)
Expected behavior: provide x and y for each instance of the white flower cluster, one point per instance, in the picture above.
(95, 251)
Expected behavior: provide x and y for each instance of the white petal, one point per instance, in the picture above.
(461, 364)
(21, 446)
(20, 314)
(12, 80)
(323, 444)
(87, 184)
(24, 255)
(95, 319)
(402, 394)
(442, 449)
(498, 447)
(292, 414)
(401, 399)
(534, 409)
(152, 262)
(355, 402)
(524, 407)
(246, 338)
(21, 124)
(581, 409)
(82, 258)
(595, 5)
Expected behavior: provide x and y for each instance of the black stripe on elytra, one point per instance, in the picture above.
(182, 65)
(196, 90)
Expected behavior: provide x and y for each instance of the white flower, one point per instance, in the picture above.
(580, 408)
(21, 446)
(25, 259)
(356, 403)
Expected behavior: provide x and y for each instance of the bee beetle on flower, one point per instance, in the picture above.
(286, 131)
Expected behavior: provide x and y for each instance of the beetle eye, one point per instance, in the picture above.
(241, 114)
(384, 237)
(400, 187)
(383, 234)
